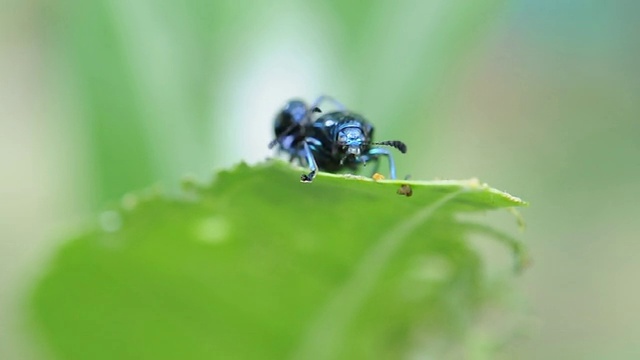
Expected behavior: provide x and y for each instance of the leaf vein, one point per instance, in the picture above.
(323, 337)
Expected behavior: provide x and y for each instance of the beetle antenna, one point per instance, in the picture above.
(394, 143)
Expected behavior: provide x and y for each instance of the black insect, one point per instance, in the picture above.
(335, 141)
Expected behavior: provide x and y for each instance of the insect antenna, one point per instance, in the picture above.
(394, 143)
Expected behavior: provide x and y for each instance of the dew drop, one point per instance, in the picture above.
(212, 230)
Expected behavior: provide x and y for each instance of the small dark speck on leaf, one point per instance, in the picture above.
(405, 190)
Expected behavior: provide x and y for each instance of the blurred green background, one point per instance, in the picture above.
(539, 98)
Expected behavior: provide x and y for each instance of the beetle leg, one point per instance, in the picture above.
(367, 159)
(376, 152)
(311, 162)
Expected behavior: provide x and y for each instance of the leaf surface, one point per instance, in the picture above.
(258, 265)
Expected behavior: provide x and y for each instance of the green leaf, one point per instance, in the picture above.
(259, 265)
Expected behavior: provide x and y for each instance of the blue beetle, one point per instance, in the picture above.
(332, 142)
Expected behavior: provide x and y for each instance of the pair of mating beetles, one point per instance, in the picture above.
(335, 141)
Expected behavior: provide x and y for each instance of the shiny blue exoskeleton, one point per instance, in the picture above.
(335, 141)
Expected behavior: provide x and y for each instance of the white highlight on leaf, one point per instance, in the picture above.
(129, 202)
(329, 328)
(212, 230)
(434, 268)
(110, 221)
(423, 275)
